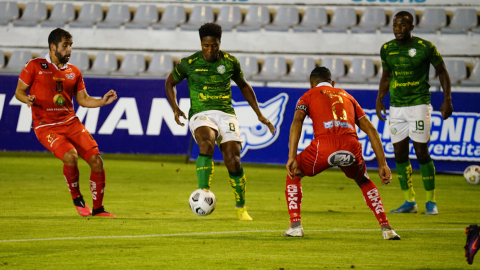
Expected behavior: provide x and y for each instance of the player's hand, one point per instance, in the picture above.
(31, 100)
(179, 113)
(380, 107)
(446, 109)
(292, 167)
(385, 174)
(267, 122)
(109, 97)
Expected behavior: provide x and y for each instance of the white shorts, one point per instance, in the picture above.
(411, 121)
(225, 124)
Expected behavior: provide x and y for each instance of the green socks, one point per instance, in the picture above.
(204, 171)
(428, 176)
(404, 171)
(237, 181)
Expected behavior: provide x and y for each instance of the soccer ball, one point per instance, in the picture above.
(472, 174)
(202, 202)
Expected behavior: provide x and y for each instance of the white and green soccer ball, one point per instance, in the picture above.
(202, 202)
(472, 174)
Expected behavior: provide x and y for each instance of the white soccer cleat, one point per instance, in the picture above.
(294, 232)
(390, 234)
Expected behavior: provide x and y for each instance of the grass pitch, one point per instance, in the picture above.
(155, 229)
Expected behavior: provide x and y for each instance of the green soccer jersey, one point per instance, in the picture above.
(209, 83)
(409, 66)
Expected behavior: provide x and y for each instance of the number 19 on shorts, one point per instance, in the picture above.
(419, 125)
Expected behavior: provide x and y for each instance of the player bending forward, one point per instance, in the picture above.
(53, 82)
(211, 117)
(334, 113)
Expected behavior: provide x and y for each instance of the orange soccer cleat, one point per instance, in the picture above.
(82, 207)
(100, 212)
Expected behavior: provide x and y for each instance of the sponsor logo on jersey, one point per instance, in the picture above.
(59, 100)
(70, 76)
(221, 69)
(412, 52)
(392, 53)
(204, 97)
(58, 79)
(341, 158)
(44, 72)
(302, 107)
(201, 69)
(44, 65)
(397, 84)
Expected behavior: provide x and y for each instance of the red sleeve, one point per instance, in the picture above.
(303, 104)
(359, 113)
(28, 73)
(80, 84)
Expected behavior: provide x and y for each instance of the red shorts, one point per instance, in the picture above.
(328, 151)
(58, 139)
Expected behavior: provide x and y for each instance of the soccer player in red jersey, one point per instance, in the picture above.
(53, 82)
(334, 114)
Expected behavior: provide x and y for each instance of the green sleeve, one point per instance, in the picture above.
(385, 65)
(434, 56)
(237, 70)
(180, 71)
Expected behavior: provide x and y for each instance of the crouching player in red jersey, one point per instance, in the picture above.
(53, 82)
(334, 114)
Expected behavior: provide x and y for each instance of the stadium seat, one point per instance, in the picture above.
(89, 15)
(103, 64)
(8, 12)
(335, 65)
(360, 70)
(372, 19)
(284, 19)
(432, 73)
(313, 18)
(160, 66)
(33, 13)
(249, 66)
(474, 79)
(144, 16)
(273, 68)
(457, 69)
(376, 79)
(117, 14)
(43, 53)
(343, 18)
(199, 16)
(256, 18)
(2, 59)
(80, 60)
(463, 19)
(132, 64)
(432, 20)
(229, 17)
(172, 16)
(17, 61)
(300, 71)
(389, 28)
(62, 13)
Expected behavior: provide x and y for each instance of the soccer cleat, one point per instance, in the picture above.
(294, 232)
(390, 234)
(242, 213)
(100, 212)
(473, 242)
(82, 207)
(407, 207)
(431, 208)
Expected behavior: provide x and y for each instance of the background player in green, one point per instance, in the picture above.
(406, 61)
(212, 117)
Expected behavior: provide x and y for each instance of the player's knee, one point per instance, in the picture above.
(96, 163)
(70, 158)
(401, 155)
(206, 147)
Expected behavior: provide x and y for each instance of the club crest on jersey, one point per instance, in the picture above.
(70, 76)
(44, 65)
(221, 69)
(412, 52)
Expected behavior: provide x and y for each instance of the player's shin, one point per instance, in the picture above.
(205, 170)
(71, 176)
(237, 182)
(427, 170)
(294, 195)
(374, 201)
(97, 186)
(404, 171)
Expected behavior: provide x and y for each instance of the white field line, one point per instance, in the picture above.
(211, 233)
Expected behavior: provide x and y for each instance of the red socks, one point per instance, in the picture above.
(374, 201)
(294, 194)
(71, 176)
(97, 186)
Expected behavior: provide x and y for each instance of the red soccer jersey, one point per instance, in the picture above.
(53, 89)
(332, 110)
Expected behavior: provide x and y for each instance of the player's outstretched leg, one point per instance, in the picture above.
(473, 242)
(427, 170)
(237, 182)
(97, 186)
(72, 174)
(404, 171)
(205, 170)
(294, 195)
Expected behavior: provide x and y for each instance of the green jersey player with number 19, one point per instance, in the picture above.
(406, 62)
(212, 117)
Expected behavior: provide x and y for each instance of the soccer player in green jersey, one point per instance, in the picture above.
(406, 61)
(212, 117)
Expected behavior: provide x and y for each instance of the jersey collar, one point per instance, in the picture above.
(324, 84)
(47, 57)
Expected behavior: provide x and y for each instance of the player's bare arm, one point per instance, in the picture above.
(382, 92)
(295, 133)
(21, 94)
(249, 95)
(383, 170)
(447, 107)
(172, 99)
(87, 101)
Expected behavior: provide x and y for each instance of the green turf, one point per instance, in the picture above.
(149, 195)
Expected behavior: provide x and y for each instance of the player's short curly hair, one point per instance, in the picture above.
(405, 14)
(56, 36)
(320, 74)
(210, 30)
